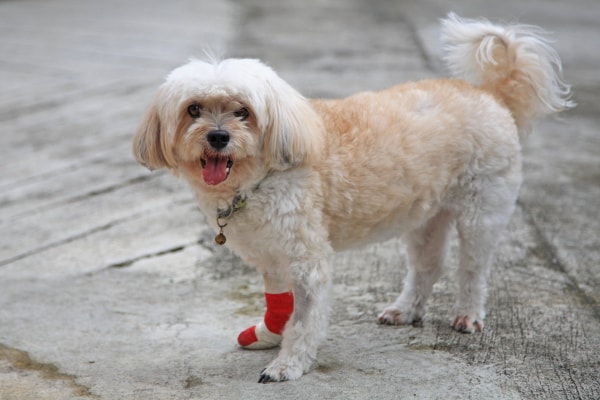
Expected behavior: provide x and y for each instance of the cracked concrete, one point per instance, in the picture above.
(111, 286)
(17, 370)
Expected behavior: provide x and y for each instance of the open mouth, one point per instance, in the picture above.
(215, 169)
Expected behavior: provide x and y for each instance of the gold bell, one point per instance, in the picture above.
(220, 239)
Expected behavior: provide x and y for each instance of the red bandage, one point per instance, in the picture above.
(267, 334)
(247, 337)
(279, 309)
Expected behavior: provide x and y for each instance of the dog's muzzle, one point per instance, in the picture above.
(216, 166)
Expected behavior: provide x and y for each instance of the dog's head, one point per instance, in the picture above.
(222, 124)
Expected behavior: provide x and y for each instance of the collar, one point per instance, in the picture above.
(238, 202)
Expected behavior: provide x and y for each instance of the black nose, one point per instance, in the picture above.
(218, 139)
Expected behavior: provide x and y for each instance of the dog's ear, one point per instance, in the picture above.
(294, 132)
(149, 147)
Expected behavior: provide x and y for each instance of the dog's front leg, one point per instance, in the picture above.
(307, 326)
(279, 300)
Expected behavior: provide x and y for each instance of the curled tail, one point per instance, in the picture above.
(515, 63)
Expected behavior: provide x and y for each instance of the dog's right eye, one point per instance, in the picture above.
(194, 110)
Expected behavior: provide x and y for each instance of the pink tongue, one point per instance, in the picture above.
(215, 170)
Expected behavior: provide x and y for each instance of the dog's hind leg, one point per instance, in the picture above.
(426, 251)
(479, 226)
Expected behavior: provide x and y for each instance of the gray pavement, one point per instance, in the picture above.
(110, 287)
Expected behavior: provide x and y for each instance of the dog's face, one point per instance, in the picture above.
(217, 136)
(226, 124)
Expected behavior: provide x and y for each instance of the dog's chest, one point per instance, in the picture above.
(266, 225)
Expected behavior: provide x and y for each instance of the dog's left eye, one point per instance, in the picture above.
(242, 113)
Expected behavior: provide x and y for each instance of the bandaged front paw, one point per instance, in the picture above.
(267, 334)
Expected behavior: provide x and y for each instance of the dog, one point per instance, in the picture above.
(285, 181)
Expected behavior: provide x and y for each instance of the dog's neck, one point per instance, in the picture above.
(236, 204)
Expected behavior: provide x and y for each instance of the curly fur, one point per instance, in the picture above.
(325, 175)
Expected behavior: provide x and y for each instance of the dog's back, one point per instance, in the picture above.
(394, 158)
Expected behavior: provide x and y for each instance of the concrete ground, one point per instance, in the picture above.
(110, 287)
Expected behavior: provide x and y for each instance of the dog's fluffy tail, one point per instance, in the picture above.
(515, 63)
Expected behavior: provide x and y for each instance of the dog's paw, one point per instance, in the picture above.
(467, 324)
(282, 369)
(395, 316)
(265, 377)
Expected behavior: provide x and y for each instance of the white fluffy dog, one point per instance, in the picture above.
(285, 181)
